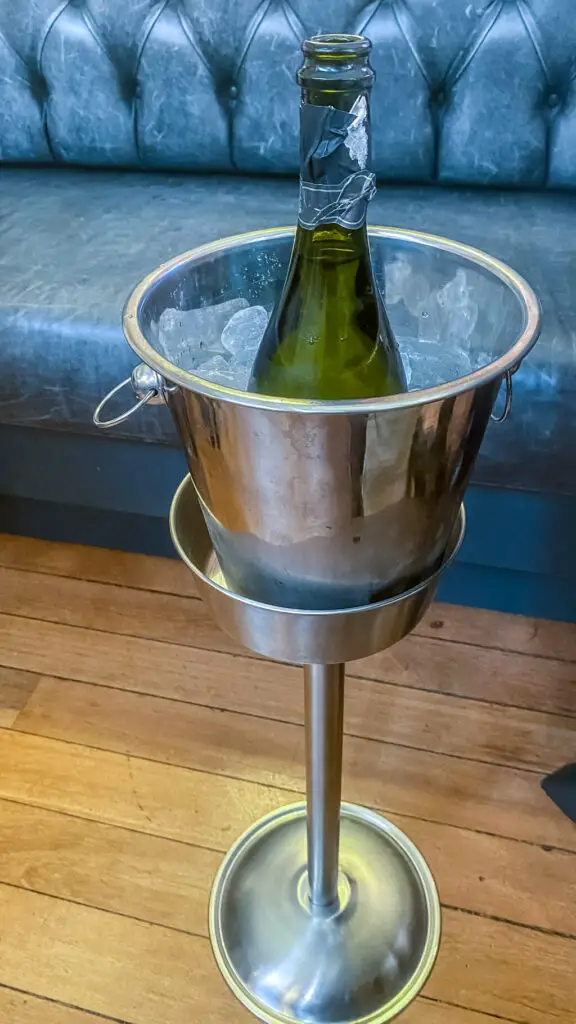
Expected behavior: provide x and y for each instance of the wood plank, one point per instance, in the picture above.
(167, 882)
(80, 561)
(143, 973)
(424, 1011)
(189, 735)
(24, 1008)
(464, 793)
(429, 760)
(210, 810)
(168, 732)
(453, 725)
(20, 1008)
(111, 608)
(481, 797)
(476, 626)
(417, 662)
(120, 790)
(123, 661)
(502, 878)
(536, 683)
(499, 631)
(495, 968)
(502, 677)
(112, 965)
(487, 875)
(178, 671)
(380, 711)
(115, 869)
(15, 689)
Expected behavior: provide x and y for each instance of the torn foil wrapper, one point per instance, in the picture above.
(335, 186)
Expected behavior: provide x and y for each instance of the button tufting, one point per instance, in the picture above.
(454, 114)
(38, 85)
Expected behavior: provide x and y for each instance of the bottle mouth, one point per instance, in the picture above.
(336, 45)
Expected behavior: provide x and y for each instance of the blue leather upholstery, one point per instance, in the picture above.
(480, 92)
(75, 242)
(470, 91)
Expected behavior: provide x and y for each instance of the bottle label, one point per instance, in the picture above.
(335, 187)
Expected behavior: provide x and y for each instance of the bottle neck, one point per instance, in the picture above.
(336, 183)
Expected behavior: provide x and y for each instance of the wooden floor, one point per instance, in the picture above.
(137, 742)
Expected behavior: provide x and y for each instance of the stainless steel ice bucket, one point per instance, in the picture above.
(328, 505)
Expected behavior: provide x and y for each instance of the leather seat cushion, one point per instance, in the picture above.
(73, 243)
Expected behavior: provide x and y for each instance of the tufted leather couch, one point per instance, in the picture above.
(131, 130)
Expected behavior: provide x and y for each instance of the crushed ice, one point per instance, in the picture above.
(441, 350)
(220, 342)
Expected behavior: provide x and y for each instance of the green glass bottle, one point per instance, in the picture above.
(329, 335)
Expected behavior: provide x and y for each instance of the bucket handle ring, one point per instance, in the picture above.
(507, 401)
(147, 386)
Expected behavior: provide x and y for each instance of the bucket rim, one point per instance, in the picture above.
(506, 363)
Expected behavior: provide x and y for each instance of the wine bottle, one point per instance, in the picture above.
(329, 335)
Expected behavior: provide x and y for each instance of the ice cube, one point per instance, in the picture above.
(444, 347)
(187, 337)
(216, 365)
(217, 370)
(401, 283)
(395, 275)
(225, 371)
(430, 323)
(432, 362)
(460, 309)
(244, 331)
(415, 293)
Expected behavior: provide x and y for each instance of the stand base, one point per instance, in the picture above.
(363, 959)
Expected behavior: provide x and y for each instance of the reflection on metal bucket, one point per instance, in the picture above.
(323, 511)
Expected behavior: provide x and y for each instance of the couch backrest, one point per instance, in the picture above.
(474, 91)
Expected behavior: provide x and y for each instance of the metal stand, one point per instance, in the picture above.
(323, 913)
(324, 702)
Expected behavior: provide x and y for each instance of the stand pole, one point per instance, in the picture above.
(324, 699)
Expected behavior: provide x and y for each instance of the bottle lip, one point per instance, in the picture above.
(336, 45)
